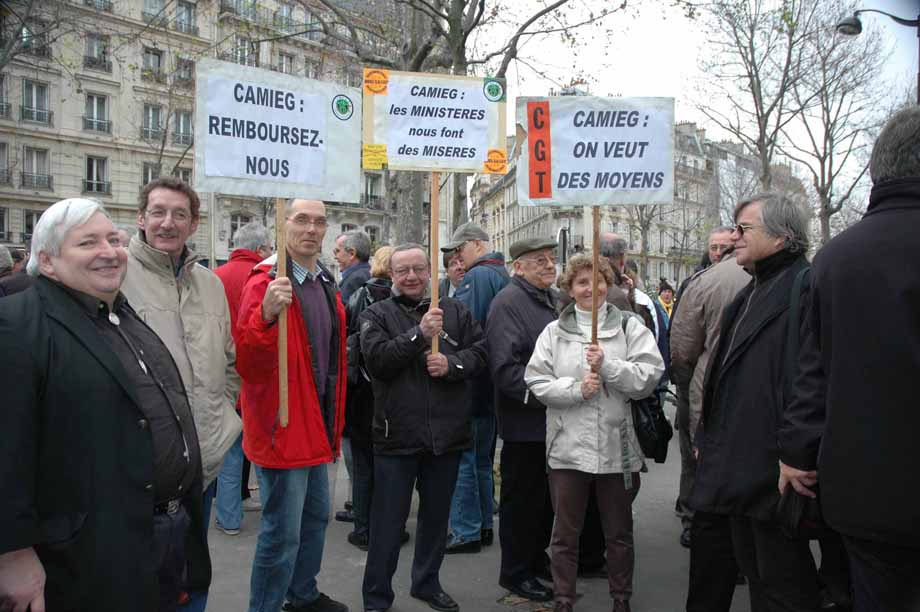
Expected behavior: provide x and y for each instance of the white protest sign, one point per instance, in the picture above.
(437, 123)
(264, 134)
(581, 151)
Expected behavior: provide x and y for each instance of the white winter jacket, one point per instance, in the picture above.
(596, 435)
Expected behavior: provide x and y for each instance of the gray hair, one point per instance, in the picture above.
(252, 236)
(896, 153)
(6, 260)
(782, 218)
(409, 246)
(54, 225)
(722, 229)
(359, 242)
(612, 249)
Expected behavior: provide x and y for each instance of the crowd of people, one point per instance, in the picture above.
(139, 386)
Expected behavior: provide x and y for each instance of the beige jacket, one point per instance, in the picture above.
(596, 436)
(190, 314)
(695, 328)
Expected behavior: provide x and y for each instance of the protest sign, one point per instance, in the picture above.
(581, 150)
(433, 122)
(265, 134)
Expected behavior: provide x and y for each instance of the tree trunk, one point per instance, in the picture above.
(824, 215)
(408, 196)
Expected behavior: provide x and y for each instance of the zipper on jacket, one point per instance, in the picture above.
(747, 307)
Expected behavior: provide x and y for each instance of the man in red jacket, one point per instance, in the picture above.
(291, 461)
(253, 244)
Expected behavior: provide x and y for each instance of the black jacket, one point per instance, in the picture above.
(518, 315)
(15, 283)
(359, 401)
(413, 412)
(77, 460)
(856, 392)
(743, 397)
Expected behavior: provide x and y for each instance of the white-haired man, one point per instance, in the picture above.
(102, 473)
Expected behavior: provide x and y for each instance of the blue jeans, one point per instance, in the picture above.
(295, 512)
(471, 508)
(229, 505)
(198, 600)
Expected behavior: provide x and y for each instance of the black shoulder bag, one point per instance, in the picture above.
(652, 427)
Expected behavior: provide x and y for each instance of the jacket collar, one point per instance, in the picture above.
(361, 265)
(159, 261)
(768, 267)
(609, 319)
(269, 265)
(494, 259)
(61, 306)
(245, 255)
(895, 193)
(543, 296)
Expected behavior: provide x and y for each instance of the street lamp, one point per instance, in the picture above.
(852, 26)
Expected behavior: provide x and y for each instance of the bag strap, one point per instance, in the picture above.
(793, 332)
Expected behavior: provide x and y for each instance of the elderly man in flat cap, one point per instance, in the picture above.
(518, 315)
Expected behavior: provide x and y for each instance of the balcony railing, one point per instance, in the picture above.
(185, 27)
(184, 80)
(97, 63)
(371, 200)
(99, 5)
(30, 180)
(151, 133)
(5, 109)
(37, 49)
(6, 236)
(238, 57)
(154, 76)
(155, 19)
(6, 177)
(38, 115)
(181, 138)
(97, 125)
(104, 187)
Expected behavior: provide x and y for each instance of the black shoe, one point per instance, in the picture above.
(404, 538)
(544, 573)
(463, 547)
(349, 506)
(358, 539)
(740, 579)
(345, 516)
(439, 601)
(685, 537)
(486, 536)
(323, 603)
(531, 589)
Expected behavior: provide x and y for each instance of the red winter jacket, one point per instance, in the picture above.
(234, 275)
(304, 442)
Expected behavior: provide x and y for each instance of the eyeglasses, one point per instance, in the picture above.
(718, 248)
(745, 227)
(401, 272)
(305, 220)
(159, 214)
(541, 261)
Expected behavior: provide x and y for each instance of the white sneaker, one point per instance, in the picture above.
(251, 505)
(229, 532)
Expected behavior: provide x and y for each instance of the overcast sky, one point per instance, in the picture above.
(655, 51)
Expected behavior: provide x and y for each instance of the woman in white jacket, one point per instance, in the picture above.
(589, 430)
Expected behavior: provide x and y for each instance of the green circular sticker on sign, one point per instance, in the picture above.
(343, 107)
(493, 91)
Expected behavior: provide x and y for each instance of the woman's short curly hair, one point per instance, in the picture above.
(380, 262)
(583, 261)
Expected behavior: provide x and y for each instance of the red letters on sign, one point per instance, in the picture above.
(541, 174)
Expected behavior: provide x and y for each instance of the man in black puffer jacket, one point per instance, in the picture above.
(422, 421)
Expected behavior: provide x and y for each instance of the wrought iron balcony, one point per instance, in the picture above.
(37, 49)
(155, 19)
(30, 180)
(38, 115)
(182, 138)
(5, 110)
(97, 125)
(97, 63)
(185, 27)
(103, 187)
(6, 177)
(153, 76)
(99, 5)
(372, 200)
(151, 133)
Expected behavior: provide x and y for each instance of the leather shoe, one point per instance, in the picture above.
(345, 516)
(439, 601)
(463, 547)
(685, 537)
(530, 588)
(358, 539)
(620, 605)
(486, 537)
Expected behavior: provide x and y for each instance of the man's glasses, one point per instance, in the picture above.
(305, 220)
(718, 248)
(402, 272)
(541, 261)
(746, 227)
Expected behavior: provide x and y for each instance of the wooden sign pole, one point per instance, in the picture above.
(281, 252)
(595, 264)
(435, 250)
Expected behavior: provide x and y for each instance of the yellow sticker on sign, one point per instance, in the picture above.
(376, 81)
(496, 162)
(374, 156)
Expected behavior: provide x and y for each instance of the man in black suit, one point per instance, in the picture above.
(102, 472)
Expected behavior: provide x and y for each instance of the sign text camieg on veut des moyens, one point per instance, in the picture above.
(583, 151)
(260, 133)
(433, 122)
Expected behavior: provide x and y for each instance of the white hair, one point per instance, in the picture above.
(54, 225)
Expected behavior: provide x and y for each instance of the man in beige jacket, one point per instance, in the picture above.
(695, 331)
(186, 306)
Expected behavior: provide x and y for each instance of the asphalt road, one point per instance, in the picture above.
(660, 584)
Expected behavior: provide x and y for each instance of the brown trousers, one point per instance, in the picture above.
(569, 491)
